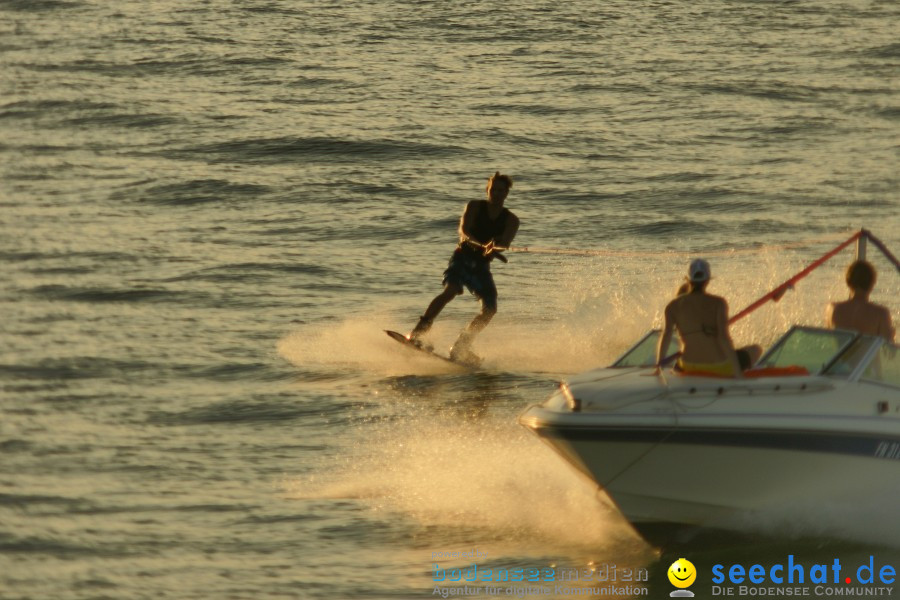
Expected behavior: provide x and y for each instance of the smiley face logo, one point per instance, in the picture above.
(682, 573)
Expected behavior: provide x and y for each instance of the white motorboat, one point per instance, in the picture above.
(817, 419)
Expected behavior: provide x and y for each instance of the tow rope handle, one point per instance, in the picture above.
(489, 249)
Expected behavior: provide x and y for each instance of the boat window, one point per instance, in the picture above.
(846, 363)
(643, 354)
(807, 347)
(885, 367)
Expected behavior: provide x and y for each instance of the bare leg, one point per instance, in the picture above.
(481, 320)
(461, 348)
(434, 309)
(441, 300)
(754, 352)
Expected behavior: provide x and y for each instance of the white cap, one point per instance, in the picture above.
(698, 272)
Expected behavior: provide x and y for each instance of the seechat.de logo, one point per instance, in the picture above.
(682, 574)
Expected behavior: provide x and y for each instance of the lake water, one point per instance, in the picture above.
(211, 210)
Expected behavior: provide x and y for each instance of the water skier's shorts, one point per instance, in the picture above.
(472, 271)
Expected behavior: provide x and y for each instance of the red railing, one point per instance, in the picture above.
(776, 294)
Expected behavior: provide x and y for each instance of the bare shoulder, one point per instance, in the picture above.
(829, 314)
(673, 305)
(838, 312)
(717, 300)
(839, 305)
(473, 207)
(884, 313)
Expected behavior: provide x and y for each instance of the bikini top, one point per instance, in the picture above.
(705, 328)
(710, 330)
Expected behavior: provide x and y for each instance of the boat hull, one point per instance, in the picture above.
(720, 465)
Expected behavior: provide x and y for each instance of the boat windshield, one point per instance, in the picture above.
(813, 349)
(885, 367)
(832, 352)
(881, 366)
(643, 354)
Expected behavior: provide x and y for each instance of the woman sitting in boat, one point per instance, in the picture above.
(702, 323)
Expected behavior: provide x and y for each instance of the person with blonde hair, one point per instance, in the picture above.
(486, 227)
(859, 313)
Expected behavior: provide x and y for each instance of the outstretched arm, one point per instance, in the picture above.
(665, 339)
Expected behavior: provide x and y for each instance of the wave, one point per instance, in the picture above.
(188, 64)
(30, 500)
(11, 446)
(105, 257)
(55, 371)
(272, 9)
(12, 545)
(312, 149)
(81, 367)
(137, 120)
(532, 109)
(128, 69)
(890, 112)
(198, 191)
(318, 82)
(29, 109)
(487, 475)
(100, 294)
(665, 227)
(768, 91)
(38, 5)
(254, 271)
(251, 411)
(887, 51)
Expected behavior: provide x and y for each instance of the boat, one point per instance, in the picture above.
(816, 419)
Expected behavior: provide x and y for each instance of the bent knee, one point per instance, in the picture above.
(755, 352)
(489, 307)
(451, 290)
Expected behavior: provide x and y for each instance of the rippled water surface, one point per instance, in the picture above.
(209, 212)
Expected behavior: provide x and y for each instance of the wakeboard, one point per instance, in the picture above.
(427, 351)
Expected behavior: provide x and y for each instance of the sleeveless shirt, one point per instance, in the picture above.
(484, 229)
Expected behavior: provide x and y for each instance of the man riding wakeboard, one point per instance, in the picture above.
(486, 228)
